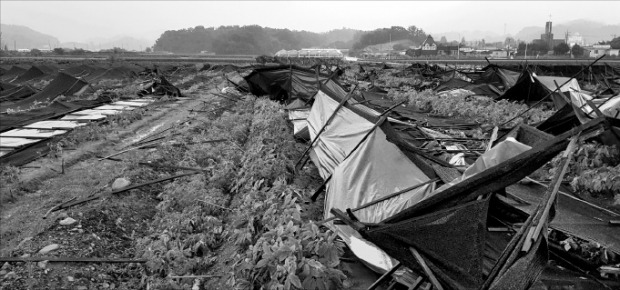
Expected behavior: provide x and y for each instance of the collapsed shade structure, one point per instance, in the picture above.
(54, 110)
(497, 76)
(63, 84)
(17, 93)
(285, 83)
(449, 228)
(35, 72)
(12, 73)
(531, 88)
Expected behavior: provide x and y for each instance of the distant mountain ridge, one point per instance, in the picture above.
(19, 36)
(591, 31)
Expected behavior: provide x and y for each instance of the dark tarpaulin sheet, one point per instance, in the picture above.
(498, 76)
(115, 73)
(6, 86)
(63, 84)
(451, 241)
(35, 72)
(452, 84)
(561, 121)
(54, 110)
(161, 87)
(84, 71)
(528, 89)
(278, 81)
(12, 73)
(17, 93)
(26, 154)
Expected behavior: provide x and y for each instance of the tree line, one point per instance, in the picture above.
(383, 35)
(257, 40)
(250, 39)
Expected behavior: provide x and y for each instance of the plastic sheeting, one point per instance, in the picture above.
(345, 130)
(32, 133)
(298, 118)
(376, 169)
(609, 107)
(14, 142)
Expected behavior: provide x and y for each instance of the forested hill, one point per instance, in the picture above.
(384, 35)
(252, 39)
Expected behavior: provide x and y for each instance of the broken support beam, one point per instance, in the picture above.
(384, 277)
(152, 182)
(426, 269)
(331, 117)
(384, 198)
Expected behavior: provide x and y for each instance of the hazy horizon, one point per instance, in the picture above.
(81, 21)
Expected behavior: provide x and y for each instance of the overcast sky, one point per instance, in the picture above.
(83, 20)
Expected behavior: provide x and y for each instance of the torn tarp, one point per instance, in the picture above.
(160, 87)
(63, 84)
(285, 83)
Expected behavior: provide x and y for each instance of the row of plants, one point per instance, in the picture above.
(189, 225)
(594, 170)
(241, 220)
(278, 250)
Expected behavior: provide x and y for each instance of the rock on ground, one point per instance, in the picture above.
(49, 248)
(120, 183)
(67, 221)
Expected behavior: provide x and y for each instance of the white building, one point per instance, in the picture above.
(574, 38)
(311, 53)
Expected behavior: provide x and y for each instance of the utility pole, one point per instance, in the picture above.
(525, 50)
(458, 48)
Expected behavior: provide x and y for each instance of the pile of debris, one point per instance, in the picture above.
(463, 224)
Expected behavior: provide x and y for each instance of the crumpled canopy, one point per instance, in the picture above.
(531, 88)
(285, 83)
(498, 76)
(17, 93)
(12, 73)
(63, 84)
(56, 109)
(35, 72)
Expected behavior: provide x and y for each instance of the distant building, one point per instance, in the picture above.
(429, 47)
(500, 53)
(574, 38)
(23, 50)
(447, 50)
(547, 38)
(206, 52)
(311, 53)
(598, 50)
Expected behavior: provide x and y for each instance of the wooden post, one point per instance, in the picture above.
(331, 117)
(426, 269)
(493, 138)
(384, 277)
(553, 189)
(384, 198)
